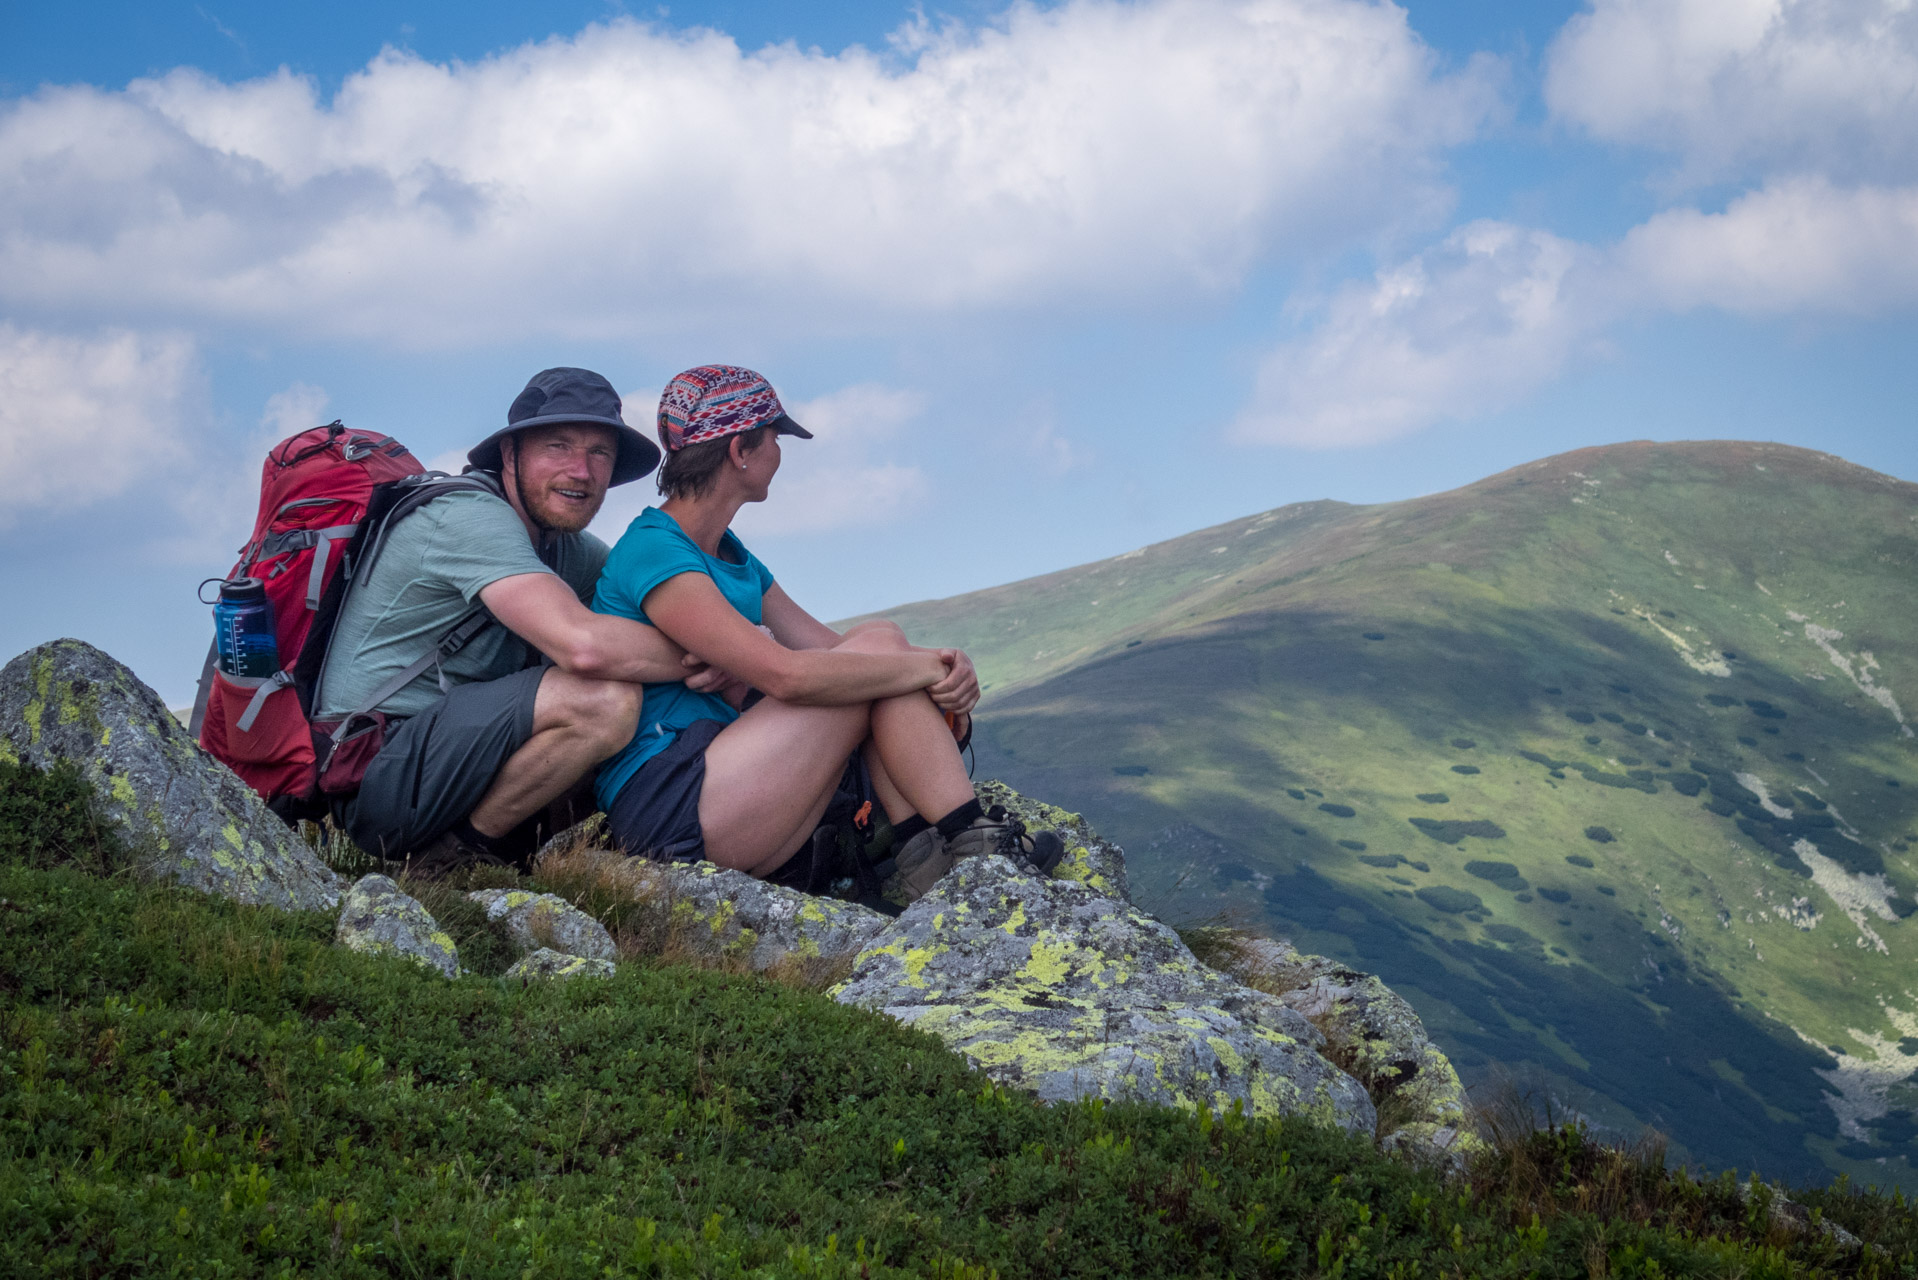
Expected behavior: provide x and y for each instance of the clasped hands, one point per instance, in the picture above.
(956, 693)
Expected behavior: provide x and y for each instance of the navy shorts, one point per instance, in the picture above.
(656, 814)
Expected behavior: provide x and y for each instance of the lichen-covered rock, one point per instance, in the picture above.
(546, 920)
(1375, 1036)
(546, 964)
(379, 919)
(1789, 1216)
(1052, 986)
(183, 815)
(729, 917)
(1090, 859)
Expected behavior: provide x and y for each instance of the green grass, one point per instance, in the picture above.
(191, 1087)
(1572, 620)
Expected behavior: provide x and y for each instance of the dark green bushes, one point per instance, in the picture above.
(1453, 830)
(47, 820)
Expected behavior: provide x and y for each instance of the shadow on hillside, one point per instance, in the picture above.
(1647, 1030)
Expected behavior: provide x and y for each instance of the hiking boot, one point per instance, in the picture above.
(1001, 833)
(918, 866)
(447, 856)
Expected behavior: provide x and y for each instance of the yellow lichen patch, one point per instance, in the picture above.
(37, 704)
(445, 941)
(810, 911)
(1016, 918)
(915, 961)
(1227, 1054)
(120, 787)
(1047, 964)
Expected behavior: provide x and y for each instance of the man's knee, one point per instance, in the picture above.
(606, 712)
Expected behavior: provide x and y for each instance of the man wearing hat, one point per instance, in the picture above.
(480, 747)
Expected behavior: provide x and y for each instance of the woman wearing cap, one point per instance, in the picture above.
(702, 779)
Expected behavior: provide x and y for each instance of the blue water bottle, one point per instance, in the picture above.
(243, 628)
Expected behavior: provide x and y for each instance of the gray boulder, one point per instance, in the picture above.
(183, 815)
(379, 919)
(547, 965)
(1373, 1035)
(1090, 858)
(1051, 986)
(726, 917)
(539, 921)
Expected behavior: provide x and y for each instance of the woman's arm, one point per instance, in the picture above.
(957, 692)
(692, 613)
(791, 625)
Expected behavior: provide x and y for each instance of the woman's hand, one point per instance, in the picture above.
(958, 692)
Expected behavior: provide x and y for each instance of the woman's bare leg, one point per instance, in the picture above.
(770, 774)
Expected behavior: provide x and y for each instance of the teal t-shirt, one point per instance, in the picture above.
(653, 549)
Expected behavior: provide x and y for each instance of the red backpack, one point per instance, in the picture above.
(314, 491)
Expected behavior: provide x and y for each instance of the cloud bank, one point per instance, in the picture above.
(1811, 103)
(83, 418)
(636, 178)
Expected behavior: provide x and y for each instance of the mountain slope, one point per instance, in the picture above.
(1603, 761)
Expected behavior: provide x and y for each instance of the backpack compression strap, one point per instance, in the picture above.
(476, 620)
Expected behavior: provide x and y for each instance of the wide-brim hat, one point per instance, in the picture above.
(560, 397)
(714, 401)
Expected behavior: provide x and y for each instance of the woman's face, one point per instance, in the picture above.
(760, 466)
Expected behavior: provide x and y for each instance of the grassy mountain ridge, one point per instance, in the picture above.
(1602, 761)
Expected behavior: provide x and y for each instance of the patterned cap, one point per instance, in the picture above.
(719, 400)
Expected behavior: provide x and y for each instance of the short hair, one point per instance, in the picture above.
(689, 472)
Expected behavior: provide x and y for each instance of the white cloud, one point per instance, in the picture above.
(300, 407)
(1800, 245)
(1466, 328)
(846, 476)
(849, 475)
(632, 177)
(84, 418)
(1747, 86)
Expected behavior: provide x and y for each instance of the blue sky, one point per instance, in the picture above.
(1049, 282)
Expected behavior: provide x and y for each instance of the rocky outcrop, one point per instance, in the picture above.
(547, 965)
(1373, 1035)
(1052, 986)
(1090, 859)
(379, 919)
(727, 917)
(541, 921)
(183, 816)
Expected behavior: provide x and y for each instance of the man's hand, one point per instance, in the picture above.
(959, 691)
(700, 677)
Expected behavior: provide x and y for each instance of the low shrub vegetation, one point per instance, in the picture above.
(191, 1087)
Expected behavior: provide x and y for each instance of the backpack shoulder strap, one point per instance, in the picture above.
(389, 504)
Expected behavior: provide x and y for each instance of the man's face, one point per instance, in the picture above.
(561, 473)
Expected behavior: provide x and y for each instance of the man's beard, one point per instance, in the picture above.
(552, 521)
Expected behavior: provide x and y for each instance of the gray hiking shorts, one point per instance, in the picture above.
(435, 766)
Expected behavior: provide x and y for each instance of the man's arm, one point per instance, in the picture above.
(542, 610)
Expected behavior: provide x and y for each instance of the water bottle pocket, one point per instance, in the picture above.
(261, 718)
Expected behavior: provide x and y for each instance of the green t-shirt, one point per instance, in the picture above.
(431, 571)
